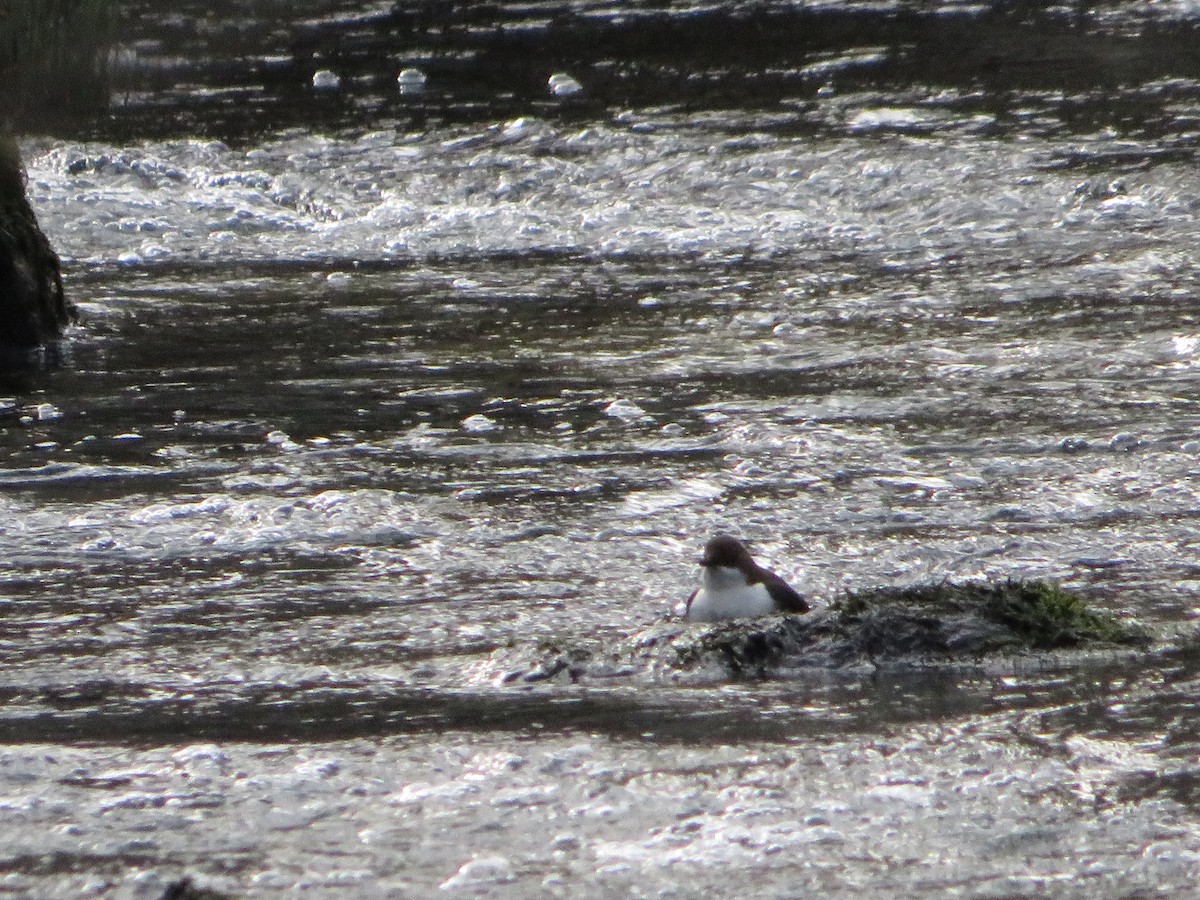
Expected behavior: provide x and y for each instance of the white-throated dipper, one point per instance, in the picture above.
(734, 586)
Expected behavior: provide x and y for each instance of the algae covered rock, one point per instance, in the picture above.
(930, 623)
(33, 309)
(943, 624)
(982, 616)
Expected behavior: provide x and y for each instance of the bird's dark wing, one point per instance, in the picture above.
(783, 595)
(688, 608)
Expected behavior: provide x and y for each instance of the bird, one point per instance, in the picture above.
(734, 586)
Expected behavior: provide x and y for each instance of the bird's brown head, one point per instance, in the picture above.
(726, 551)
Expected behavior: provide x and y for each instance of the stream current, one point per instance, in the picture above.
(354, 414)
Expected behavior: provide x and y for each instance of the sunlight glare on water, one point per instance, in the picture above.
(361, 420)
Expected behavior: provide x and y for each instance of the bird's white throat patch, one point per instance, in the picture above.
(724, 594)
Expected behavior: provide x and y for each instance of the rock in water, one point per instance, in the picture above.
(946, 624)
(33, 309)
(939, 622)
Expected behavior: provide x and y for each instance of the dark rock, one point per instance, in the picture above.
(187, 889)
(1036, 614)
(33, 309)
(942, 624)
(932, 623)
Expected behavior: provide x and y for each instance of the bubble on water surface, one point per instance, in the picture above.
(561, 84)
(326, 80)
(282, 440)
(625, 410)
(411, 81)
(479, 424)
(482, 871)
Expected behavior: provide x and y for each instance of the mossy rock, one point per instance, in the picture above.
(943, 623)
(1038, 614)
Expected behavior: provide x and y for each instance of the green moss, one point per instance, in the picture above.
(1040, 614)
(1050, 616)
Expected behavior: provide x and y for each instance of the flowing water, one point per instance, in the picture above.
(373, 396)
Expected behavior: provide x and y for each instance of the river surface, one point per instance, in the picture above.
(373, 392)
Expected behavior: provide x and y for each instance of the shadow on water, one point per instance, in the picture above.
(233, 71)
(52, 61)
(807, 705)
